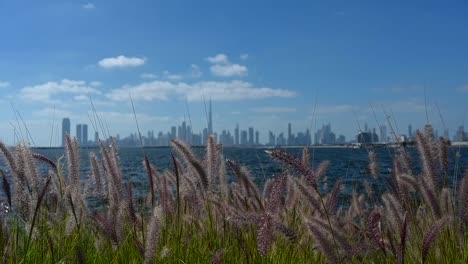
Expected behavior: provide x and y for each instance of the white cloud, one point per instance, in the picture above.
(81, 97)
(244, 56)
(49, 112)
(218, 59)
(44, 92)
(274, 110)
(148, 76)
(217, 91)
(88, 6)
(121, 62)
(4, 84)
(224, 68)
(228, 70)
(195, 71)
(171, 76)
(95, 84)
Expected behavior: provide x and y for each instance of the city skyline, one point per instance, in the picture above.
(251, 136)
(322, 62)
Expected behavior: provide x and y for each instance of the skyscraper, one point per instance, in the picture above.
(210, 120)
(243, 138)
(383, 134)
(257, 137)
(65, 129)
(251, 136)
(96, 137)
(271, 138)
(84, 134)
(78, 133)
(410, 131)
(236, 135)
(289, 134)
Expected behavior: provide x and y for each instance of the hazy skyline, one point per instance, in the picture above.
(263, 64)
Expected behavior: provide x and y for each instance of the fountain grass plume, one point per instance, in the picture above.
(265, 235)
(185, 151)
(6, 187)
(150, 179)
(430, 237)
(373, 164)
(463, 200)
(96, 176)
(46, 160)
(295, 163)
(152, 236)
(403, 240)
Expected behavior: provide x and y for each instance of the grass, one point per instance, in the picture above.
(193, 215)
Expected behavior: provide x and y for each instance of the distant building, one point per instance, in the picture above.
(65, 129)
(243, 138)
(290, 136)
(341, 139)
(280, 140)
(271, 139)
(96, 137)
(236, 135)
(251, 136)
(325, 135)
(461, 135)
(84, 134)
(78, 133)
(257, 137)
(367, 138)
(210, 120)
(383, 134)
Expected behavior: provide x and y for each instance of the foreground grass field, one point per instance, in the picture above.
(193, 215)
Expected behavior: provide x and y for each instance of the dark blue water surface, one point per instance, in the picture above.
(351, 165)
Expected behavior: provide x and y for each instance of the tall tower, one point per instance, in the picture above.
(236, 135)
(210, 120)
(251, 136)
(84, 135)
(78, 134)
(65, 129)
(289, 134)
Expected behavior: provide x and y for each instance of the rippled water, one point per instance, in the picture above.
(348, 164)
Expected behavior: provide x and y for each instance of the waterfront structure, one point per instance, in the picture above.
(65, 129)
(78, 133)
(84, 134)
(367, 138)
(251, 136)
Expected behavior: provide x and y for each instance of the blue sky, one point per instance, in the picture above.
(263, 63)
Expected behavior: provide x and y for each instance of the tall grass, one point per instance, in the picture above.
(192, 214)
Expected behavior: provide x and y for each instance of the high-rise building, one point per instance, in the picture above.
(65, 129)
(461, 135)
(257, 137)
(271, 139)
(410, 131)
(289, 134)
(78, 133)
(96, 137)
(383, 134)
(243, 138)
(173, 132)
(236, 135)
(210, 120)
(251, 136)
(84, 135)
